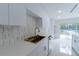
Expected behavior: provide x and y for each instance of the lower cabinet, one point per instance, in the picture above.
(41, 49)
(75, 43)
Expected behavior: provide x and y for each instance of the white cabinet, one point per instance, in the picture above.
(3, 13)
(41, 49)
(17, 14)
(75, 43)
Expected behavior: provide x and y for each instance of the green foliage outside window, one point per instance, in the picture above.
(74, 27)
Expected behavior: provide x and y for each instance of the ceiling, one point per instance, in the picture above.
(54, 10)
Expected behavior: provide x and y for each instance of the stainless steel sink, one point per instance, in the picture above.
(34, 39)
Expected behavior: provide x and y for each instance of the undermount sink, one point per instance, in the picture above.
(34, 39)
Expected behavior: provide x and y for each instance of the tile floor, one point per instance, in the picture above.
(55, 49)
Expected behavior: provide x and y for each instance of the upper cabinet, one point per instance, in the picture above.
(3, 13)
(35, 17)
(17, 14)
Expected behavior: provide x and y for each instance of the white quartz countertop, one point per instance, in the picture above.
(21, 48)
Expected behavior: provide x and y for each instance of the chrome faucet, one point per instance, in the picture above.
(35, 30)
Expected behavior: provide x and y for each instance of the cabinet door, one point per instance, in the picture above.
(41, 49)
(17, 14)
(3, 13)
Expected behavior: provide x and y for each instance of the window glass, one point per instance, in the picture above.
(73, 27)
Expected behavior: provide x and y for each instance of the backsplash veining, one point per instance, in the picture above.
(9, 35)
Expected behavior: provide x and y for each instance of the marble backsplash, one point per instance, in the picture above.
(9, 35)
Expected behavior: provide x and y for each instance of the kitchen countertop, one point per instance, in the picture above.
(21, 48)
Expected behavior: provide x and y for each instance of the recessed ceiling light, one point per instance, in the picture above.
(59, 11)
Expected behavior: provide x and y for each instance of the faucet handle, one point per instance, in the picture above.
(50, 36)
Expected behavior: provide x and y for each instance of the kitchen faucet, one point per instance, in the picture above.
(36, 29)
